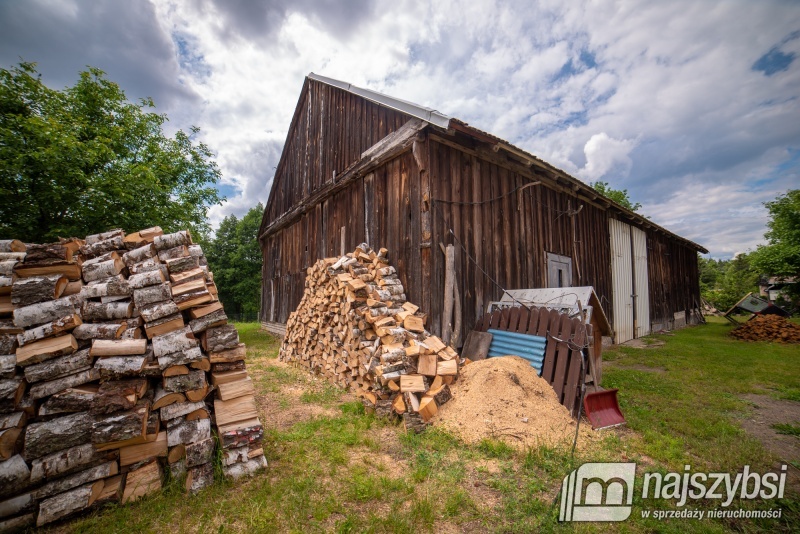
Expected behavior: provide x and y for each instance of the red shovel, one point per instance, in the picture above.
(602, 409)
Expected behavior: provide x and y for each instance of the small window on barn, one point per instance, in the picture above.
(559, 270)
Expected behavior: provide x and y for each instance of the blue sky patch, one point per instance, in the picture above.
(773, 62)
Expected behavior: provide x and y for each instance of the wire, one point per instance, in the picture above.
(457, 203)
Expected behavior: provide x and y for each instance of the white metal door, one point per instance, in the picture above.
(641, 293)
(622, 280)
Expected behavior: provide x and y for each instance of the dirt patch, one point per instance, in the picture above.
(766, 412)
(283, 409)
(504, 398)
(644, 343)
(768, 328)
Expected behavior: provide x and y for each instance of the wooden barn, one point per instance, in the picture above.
(360, 166)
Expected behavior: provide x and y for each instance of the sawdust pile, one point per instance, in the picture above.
(768, 328)
(504, 398)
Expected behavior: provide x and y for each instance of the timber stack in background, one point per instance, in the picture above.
(355, 328)
(111, 349)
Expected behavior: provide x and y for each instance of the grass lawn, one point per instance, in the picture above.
(334, 468)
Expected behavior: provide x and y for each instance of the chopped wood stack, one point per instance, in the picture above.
(107, 368)
(354, 327)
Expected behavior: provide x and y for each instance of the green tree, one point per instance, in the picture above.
(235, 258)
(733, 280)
(781, 255)
(621, 197)
(84, 159)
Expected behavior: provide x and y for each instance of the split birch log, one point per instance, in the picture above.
(133, 454)
(48, 253)
(173, 342)
(98, 259)
(41, 390)
(151, 294)
(185, 288)
(45, 312)
(115, 287)
(164, 398)
(220, 338)
(116, 395)
(179, 409)
(73, 288)
(68, 503)
(6, 286)
(190, 300)
(139, 255)
(46, 349)
(225, 377)
(250, 467)
(13, 420)
(163, 326)
(241, 435)
(197, 394)
(199, 452)
(196, 275)
(146, 279)
(235, 410)
(98, 331)
(60, 485)
(57, 434)
(12, 391)
(199, 477)
(70, 269)
(16, 506)
(229, 356)
(17, 523)
(142, 237)
(120, 366)
(173, 253)
(179, 265)
(157, 310)
(8, 342)
(7, 267)
(189, 432)
(12, 245)
(112, 490)
(59, 367)
(234, 390)
(53, 328)
(120, 426)
(74, 399)
(103, 236)
(10, 442)
(195, 379)
(109, 311)
(211, 320)
(28, 291)
(196, 313)
(100, 247)
(132, 333)
(168, 241)
(235, 456)
(14, 476)
(103, 269)
(181, 357)
(8, 363)
(118, 347)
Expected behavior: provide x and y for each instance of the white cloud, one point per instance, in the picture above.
(659, 98)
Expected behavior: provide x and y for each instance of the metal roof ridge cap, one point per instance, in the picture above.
(421, 112)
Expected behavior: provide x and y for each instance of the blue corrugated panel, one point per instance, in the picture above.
(525, 346)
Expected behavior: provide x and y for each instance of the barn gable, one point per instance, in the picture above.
(361, 166)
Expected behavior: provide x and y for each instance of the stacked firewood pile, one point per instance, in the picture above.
(768, 328)
(354, 327)
(108, 366)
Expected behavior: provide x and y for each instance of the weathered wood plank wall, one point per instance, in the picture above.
(410, 203)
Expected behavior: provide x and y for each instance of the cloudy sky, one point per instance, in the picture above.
(693, 107)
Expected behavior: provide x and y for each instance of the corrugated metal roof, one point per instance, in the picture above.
(415, 110)
(443, 121)
(530, 348)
